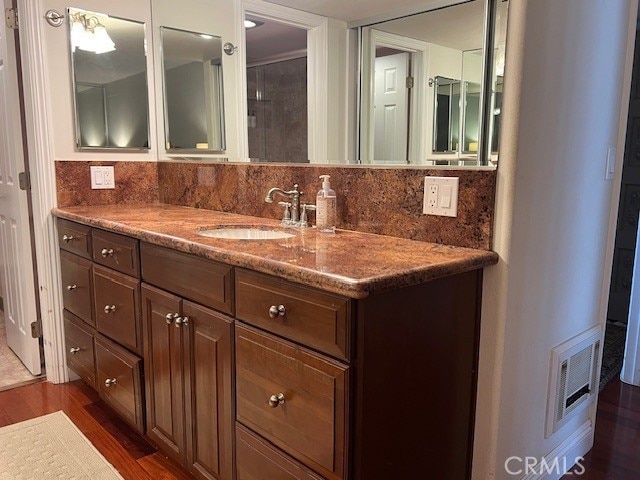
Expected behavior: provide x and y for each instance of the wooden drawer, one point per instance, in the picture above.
(317, 319)
(311, 423)
(74, 237)
(258, 460)
(116, 299)
(76, 285)
(204, 281)
(116, 251)
(78, 338)
(118, 380)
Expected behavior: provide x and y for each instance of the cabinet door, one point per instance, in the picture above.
(76, 286)
(164, 379)
(209, 398)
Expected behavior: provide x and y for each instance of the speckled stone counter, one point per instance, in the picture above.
(349, 263)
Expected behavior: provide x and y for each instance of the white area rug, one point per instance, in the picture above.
(50, 447)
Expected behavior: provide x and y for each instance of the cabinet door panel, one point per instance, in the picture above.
(310, 422)
(74, 237)
(209, 395)
(80, 348)
(76, 286)
(164, 379)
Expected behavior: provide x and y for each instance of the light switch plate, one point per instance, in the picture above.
(441, 196)
(102, 178)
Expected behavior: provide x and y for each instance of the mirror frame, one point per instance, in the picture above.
(76, 120)
(165, 110)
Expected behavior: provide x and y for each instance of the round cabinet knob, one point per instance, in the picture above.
(109, 308)
(275, 400)
(180, 321)
(67, 238)
(72, 287)
(278, 311)
(74, 350)
(109, 382)
(170, 317)
(106, 252)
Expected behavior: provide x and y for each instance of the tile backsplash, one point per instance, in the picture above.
(385, 201)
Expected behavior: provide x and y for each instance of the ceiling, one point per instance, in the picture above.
(353, 10)
(272, 40)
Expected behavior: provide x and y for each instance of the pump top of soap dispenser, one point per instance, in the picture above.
(325, 182)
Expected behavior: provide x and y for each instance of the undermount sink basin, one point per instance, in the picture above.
(243, 232)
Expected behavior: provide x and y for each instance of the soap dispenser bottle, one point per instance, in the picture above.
(326, 207)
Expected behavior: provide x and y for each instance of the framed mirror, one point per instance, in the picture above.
(109, 76)
(193, 91)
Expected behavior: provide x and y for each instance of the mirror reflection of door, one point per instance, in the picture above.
(276, 91)
(391, 106)
(447, 115)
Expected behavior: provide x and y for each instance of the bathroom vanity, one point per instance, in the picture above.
(346, 356)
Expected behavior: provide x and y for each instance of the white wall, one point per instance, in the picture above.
(567, 81)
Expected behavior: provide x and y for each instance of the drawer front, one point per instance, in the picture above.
(258, 460)
(116, 251)
(78, 338)
(116, 299)
(74, 237)
(76, 285)
(118, 380)
(316, 319)
(203, 281)
(294, 398)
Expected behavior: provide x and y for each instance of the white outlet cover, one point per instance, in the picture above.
(441, 196)
(102, 178)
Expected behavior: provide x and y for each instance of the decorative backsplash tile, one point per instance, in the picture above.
(385, 201)
(136, 182)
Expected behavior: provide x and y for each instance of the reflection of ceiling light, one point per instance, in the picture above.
(205, 36)
(88, 34)
(252, 23)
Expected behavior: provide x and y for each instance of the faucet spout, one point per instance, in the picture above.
(294, 199)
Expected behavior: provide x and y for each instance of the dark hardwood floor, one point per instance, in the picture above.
(616, 450)
(127, 451)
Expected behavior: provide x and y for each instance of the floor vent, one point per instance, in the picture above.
(574, 377)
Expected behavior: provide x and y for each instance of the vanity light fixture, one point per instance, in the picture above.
(88, 34)
(205, 36)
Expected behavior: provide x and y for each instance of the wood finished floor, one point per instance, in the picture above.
(616, 450)
(127, 451)
(615, 455)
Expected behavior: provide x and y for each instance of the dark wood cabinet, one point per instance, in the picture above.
(189, 379)
(304, 385)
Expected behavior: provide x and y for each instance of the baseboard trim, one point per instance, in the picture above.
(575, 446)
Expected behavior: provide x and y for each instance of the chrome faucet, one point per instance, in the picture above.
(294, 212)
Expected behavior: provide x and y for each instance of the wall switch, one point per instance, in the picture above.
(441, 196)
(611, 163)
(102, 178)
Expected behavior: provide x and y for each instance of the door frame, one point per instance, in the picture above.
(323, 77)
(43, 185)
(419, 50)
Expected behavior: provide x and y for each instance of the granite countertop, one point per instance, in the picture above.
(348, 263)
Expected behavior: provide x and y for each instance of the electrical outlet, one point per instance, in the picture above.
(440, 196)
(102, 178)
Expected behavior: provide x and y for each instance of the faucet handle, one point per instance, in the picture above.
(286, 219)
(303, 215)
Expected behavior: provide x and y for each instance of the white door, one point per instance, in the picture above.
(18, 290)
(391, 109)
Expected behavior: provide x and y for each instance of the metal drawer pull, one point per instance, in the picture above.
(109, 308)
(109, 382)
(72, 287)
(170, 317)
(67, 238)
(106, 252)
(180, 321)
(74, 350)
(276, 400)
(278, 311)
